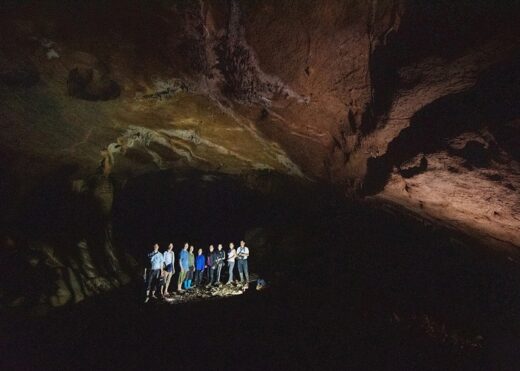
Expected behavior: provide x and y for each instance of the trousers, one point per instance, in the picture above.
(198, 277)
(231, 265)
(153, 277)
(243, 270)
(211, 274)
(182, 277)
(219, 270)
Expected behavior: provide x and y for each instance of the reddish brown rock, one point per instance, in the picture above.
(408, 101)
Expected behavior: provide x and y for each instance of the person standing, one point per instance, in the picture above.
(169, 267)
(154, 273)
(221, 257)
(212, 265)
(242, 255)
(191, 268)
(161, 283)
(200, 262)
(231, 262)
(184, 266)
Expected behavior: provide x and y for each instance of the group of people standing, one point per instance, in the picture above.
(159, 274)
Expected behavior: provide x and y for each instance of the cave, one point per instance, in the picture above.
(367, 152)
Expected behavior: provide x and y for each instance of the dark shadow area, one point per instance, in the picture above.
(351, 286)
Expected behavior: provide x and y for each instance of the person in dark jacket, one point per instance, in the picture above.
(200, 263)
(221, 258)
(212, 265)
(161, 283)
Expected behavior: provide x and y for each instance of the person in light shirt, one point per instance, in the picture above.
(169, 267)
(242, 255)
(231, 261)
(155, 271)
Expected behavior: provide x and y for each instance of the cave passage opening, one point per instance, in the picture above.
(306, 236)
(371, 271)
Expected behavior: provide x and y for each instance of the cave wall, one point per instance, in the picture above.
(412, 103)
(388, 99)
(404, 101)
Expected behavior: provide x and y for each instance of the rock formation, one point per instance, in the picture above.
(404, 102)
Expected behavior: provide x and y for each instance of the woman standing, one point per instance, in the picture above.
(169, 264)
(231, 262)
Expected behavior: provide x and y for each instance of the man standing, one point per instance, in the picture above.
(242, 255)
(156, 267)
(191, 268)
(231, 262)
(183, 265)
(200, 263)
(221, 257)
(212, 265)
(169, 261)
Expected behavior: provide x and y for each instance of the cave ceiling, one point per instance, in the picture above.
(410, 103)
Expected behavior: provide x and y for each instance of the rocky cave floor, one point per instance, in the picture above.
(351, 285)
(205, 292)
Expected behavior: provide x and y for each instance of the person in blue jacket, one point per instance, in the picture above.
(200, 263)
(184, 266)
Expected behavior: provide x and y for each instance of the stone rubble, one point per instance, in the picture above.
(204, 293)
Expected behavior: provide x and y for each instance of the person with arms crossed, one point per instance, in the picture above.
(231, 262)
(169, 267)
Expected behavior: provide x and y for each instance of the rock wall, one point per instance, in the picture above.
(407, 101)
(412, 103)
